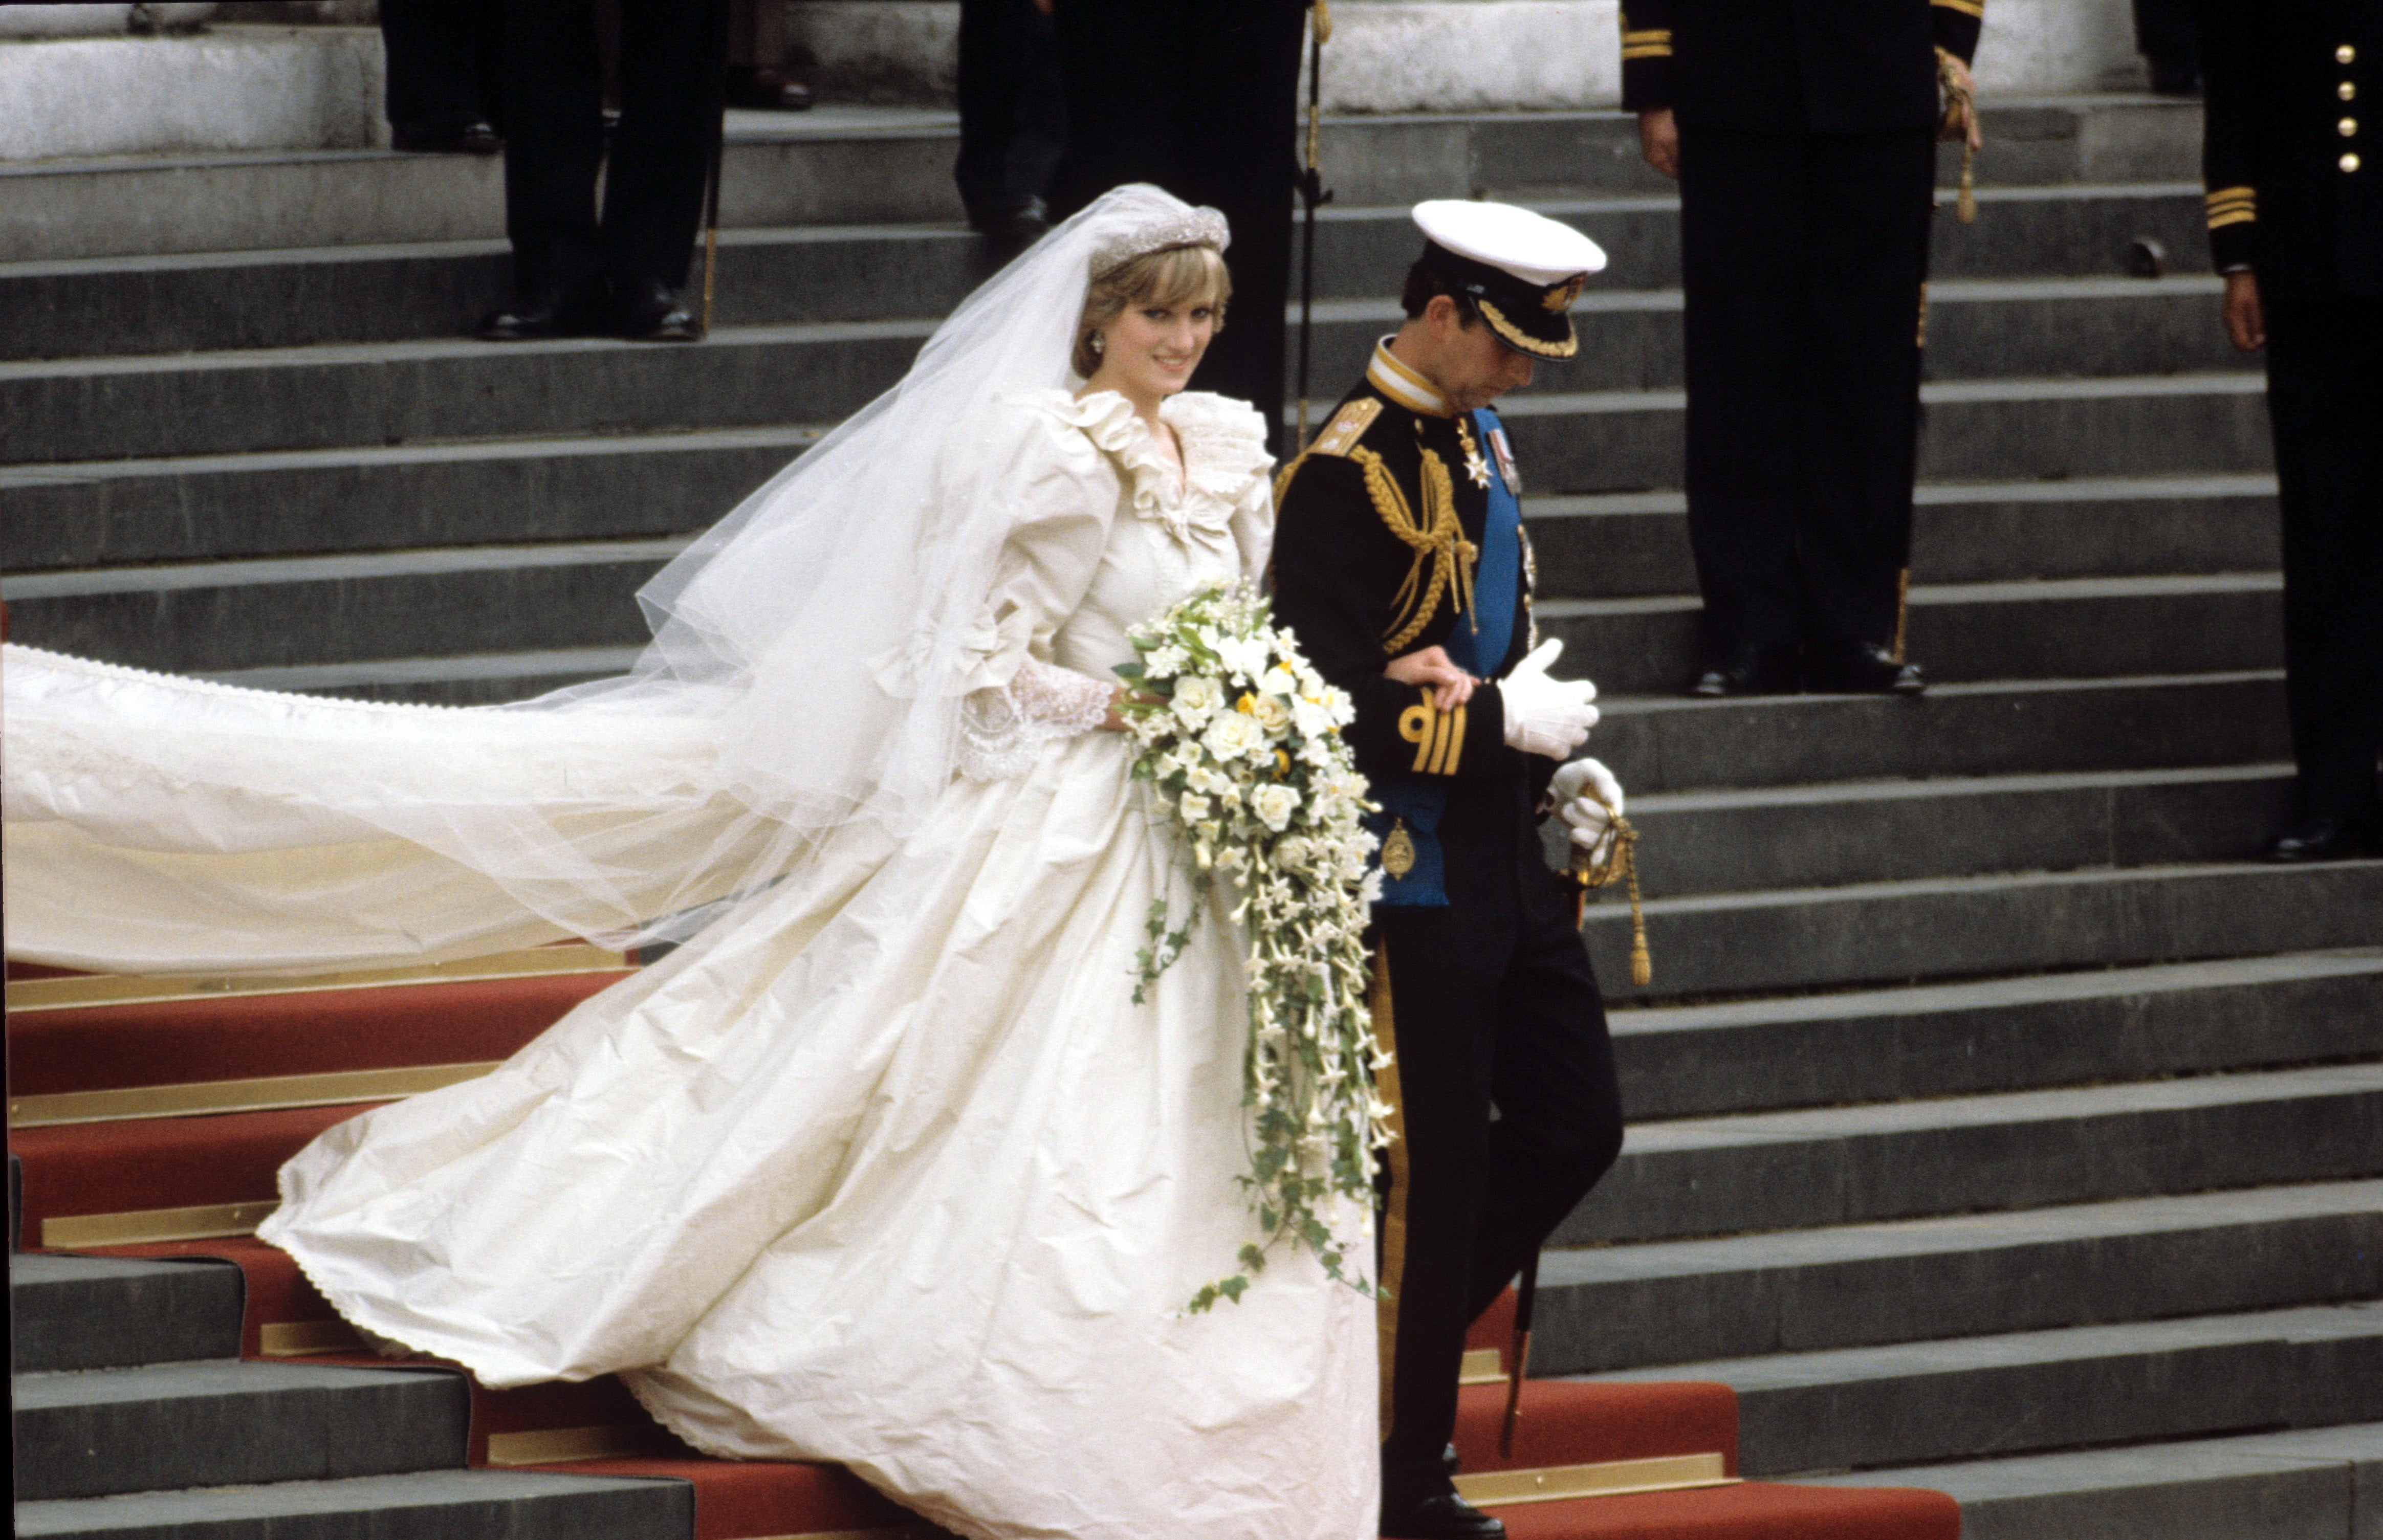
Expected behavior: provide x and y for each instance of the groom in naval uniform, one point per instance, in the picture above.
(1400, 562)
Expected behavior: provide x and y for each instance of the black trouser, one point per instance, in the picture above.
(554, 141)
(1013, 107)
(1492, 1003)
(2164, 30)
(1802, 256)
(2325, 399)
(1201, 97)
(443, 57)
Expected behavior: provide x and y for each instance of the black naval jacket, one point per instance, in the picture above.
(2288, 152)
(1793, 65)
(1338, 568)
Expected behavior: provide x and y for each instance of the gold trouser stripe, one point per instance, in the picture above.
(140, 1227)
(1482, 1366)
(201, 1098)
(1394, 1215)
(299, 1338)
(548, 1445)
(1607, 1479)
(112, 989)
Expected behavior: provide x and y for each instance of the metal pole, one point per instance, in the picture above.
(1312, 195)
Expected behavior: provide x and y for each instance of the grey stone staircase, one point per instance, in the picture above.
(136, 1419)
(1998, 1125)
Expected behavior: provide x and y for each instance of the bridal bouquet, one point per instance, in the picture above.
(1240, 738)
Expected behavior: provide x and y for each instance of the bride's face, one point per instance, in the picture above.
(1151, 350)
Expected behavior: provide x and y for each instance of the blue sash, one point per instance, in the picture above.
(1479, 642)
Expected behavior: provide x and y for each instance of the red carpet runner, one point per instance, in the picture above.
(180, 1047)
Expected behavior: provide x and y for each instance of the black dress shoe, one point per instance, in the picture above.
(1447, 1461)
(447, 136)
(1442, 1516)
(2327, 837)
(1859, 669)
(1008, 231)
(1749, 670)
(651, 312)
(767, 89)
(545, 312)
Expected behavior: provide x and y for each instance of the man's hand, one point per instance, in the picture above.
(2246, 323)
(1546, 716)
(1588, 799)
(1432, 668)
(1659, 140)
(1962, 120)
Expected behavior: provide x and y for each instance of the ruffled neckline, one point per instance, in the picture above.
(1224, 454)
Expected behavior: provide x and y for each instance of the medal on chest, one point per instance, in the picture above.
(1476, 468)
(1505, 453)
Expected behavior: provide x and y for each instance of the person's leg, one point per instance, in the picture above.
(653, 191)
(555, 102)
(1743, 230)
(1443, 965)
(1869, 197)
(1241, 157)
(432, 75)
(1558, 1125)
(989, 84)
(1123, 68)
(2166, 36)
(2325, 396)
(1039, 131)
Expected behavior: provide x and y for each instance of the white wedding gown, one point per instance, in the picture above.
(885, 1166)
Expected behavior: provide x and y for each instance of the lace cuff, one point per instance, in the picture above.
(1001, 730)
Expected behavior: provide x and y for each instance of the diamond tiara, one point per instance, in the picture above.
(1199, 226)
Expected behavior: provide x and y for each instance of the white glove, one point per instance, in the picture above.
(1582, 814)
(1546, 716)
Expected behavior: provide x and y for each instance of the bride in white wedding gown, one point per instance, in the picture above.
(883, 1165)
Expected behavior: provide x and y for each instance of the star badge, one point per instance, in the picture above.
(1477, 467)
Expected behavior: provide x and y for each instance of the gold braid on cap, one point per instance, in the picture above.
(1437, 540)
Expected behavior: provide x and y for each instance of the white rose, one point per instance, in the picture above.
(1233, 734)
(1274, 805)
(1313, 718)
(1294, 853)
(1271, 714)
(1197, 698)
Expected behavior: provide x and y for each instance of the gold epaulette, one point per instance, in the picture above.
(1339, 436)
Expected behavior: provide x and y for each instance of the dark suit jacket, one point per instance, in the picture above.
(1793, 65)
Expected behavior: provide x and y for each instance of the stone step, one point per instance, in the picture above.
(1973, 927)
(100, 513)
(226, 1422)
(212, 300)
(2309, 1484)
(2108, 1024)
(108, 1313)
(859, 165)
(1992, 1153)
(1625, 1307)
(2072, 628)
(1883, 1408)
(295, 610)
(1894, 831)
(1673, 743)
(423, 1505)
(1628, 545)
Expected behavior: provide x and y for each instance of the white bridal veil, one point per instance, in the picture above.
(809, 665)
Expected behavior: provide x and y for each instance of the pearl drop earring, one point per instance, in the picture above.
(1100, 344)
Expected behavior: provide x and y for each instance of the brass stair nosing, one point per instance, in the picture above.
(86, 990)
(265, 1093)
(1612, 1478)
(143, 1226)
(1482, 1366)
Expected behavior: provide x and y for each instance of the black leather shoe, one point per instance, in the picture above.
(1442, 1516)
(1749, 670)
(2328, 837)
(545, 312)
(447, 136)
(767, 90)
(1010, 230)
(1859, 669)
(650, 311)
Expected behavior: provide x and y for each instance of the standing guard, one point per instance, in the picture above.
(1400, 562)
(1801, 132)
(2296, 224)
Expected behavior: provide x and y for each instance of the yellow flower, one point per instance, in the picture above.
(1247, 704)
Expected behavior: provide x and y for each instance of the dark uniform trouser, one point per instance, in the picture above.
(554, 140)
(1013, 112)
(1492, 1000)
(442, 59)
(1803, 256)
(1201, 97)
(2325, 399)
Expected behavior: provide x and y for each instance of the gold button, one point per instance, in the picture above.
(2349, 160)
(2348, 126)
(2346, 92)
(2345, 54)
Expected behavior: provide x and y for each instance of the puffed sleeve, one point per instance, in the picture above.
(1066, 493)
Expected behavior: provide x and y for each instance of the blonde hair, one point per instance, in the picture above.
(1172, 276)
